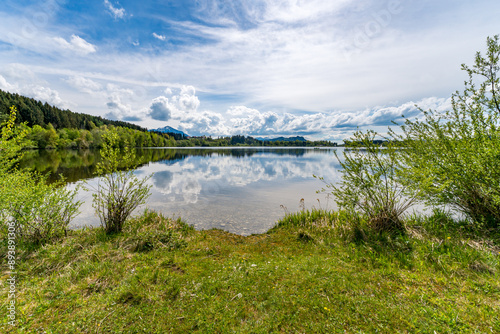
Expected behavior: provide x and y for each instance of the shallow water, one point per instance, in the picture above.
(241, 190)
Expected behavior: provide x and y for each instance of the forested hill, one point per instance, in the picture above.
(34, 112)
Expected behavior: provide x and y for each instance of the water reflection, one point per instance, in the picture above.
(239, 190)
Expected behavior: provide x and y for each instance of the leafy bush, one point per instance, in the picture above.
(453, 158)
(39, 211)
(12, 142)
(370, 185)
(118, 192)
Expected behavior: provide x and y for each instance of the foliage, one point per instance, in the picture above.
(11, 142)
(51, 127)
(33, 112)
(39, 211)
(370, 185)
(49, 137)
(118, 192)
(452, 158)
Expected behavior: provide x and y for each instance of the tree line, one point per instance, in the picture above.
(33, 112)
(51, 127)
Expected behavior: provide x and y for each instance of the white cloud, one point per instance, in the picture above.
(178, 106)
(117, 13)
(182, 109)
(45, 94)
(187, 101)
(295, 65)
(251, 121)
(4, 85)
(186, 179)
(160, 37)
(305, 55)
(32, 87)
(206, 123)
(84, 84)
(161, 109)
(76, 44)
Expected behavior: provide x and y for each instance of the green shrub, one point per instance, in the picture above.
(453, 158)
(38, 211)
(370, 185)
(118, 192)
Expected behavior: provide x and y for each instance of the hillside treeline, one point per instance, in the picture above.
(51, 127)
(33, 112)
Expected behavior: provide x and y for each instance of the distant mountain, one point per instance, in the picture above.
(299, 138)
(168, 129)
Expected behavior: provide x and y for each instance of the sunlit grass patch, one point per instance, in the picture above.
(308, 274)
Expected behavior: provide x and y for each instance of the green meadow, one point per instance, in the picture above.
(315, 272)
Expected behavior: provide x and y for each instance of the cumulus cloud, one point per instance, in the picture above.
(251, 121)
(84, 84)
(160, 109)
(4, 85)
(28, 84)
(119, 110)
(177, 106)
(160, 37)
(117, 13)
(189, 177)
(47, 95)
(279, 55)
(187, 100)
(206, 123)
(76, 44)
(182, 108)
(241, 120)
(36, 90)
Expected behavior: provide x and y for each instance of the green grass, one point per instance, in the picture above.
(315, 272)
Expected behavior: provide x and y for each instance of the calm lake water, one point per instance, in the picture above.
(241, 190)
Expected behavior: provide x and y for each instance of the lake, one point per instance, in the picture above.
(240, 190)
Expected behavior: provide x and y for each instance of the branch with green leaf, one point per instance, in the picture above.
(41, 212)
(118, 193)
(453, 157)
(371, 185)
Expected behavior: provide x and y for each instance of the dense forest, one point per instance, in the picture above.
(33, 112)
(50, 127)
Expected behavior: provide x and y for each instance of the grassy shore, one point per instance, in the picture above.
(315, 272)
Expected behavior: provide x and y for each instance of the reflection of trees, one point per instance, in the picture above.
(73, 165)
(76, 165)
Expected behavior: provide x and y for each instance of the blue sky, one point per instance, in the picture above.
(317, 68)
